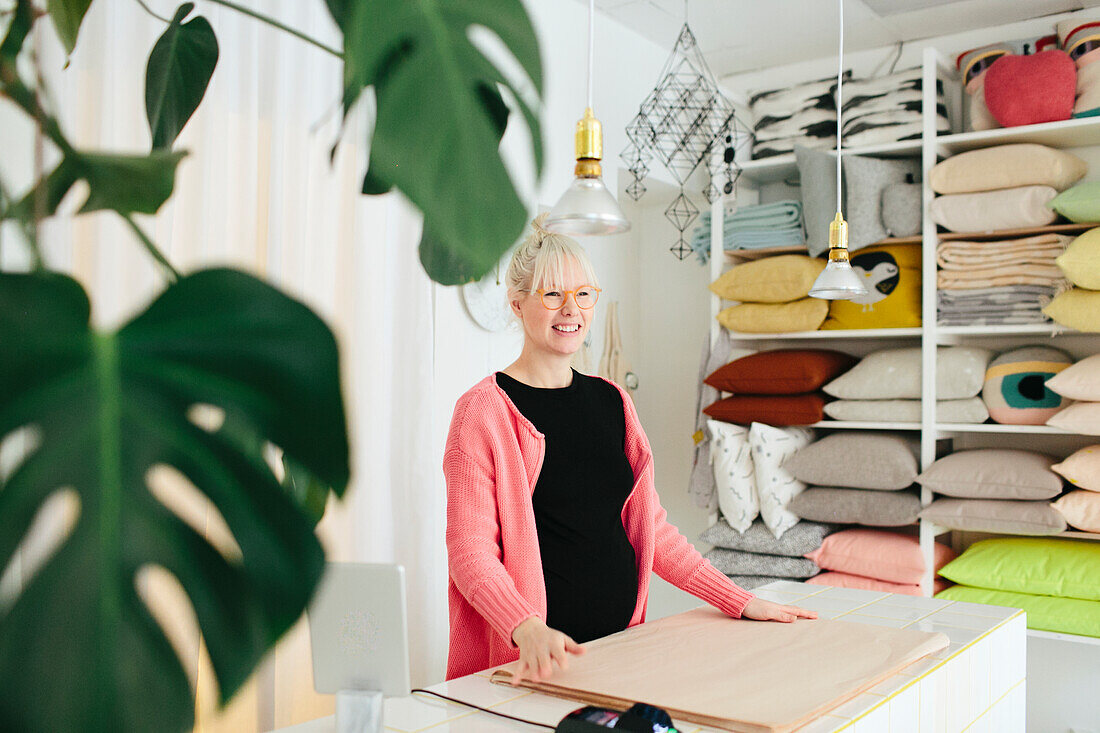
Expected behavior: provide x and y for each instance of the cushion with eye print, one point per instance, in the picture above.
(891, 273)
(1015, 388)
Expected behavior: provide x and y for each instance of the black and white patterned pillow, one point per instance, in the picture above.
(803, 114)
(887, 109)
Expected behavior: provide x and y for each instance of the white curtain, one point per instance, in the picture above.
(257, 191)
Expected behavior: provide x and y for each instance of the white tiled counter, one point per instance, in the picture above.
(975, 685)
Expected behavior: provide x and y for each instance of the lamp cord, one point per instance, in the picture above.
(591, 45)
(839, 98)
(484, 710)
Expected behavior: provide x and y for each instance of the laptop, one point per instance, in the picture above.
(358, 629)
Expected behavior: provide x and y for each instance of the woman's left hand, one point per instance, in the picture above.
(760, 610)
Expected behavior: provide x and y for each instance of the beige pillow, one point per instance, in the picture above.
(858, 460)
(769, 280)
(1080, 381)
(993, 473)
(971, 410)
(1082, 469)
(1080, 262)
(1081, 510)
(802, 315)
(1082, 418)
(1076, 308)
(995, 515)
(1008, 208)
(1007, 166)
(895, 374)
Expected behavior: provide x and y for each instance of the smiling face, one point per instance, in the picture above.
(554, 333)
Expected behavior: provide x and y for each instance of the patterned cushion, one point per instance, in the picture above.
(775, 486)
(1015, 390)
(731, 459)
(797, 541)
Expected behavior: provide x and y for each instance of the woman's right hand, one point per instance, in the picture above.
(539, 648)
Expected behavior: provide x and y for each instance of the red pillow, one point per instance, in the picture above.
(781, 372)
(1026, 90)
(778, 410)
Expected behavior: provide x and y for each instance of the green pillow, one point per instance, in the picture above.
(1046, 613)
(1042, 566)
(1080, 203)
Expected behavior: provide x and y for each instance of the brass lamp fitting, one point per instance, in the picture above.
(838, 239)
(589, 145)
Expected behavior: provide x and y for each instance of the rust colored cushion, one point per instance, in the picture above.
(802, 409)
(781, 372)
(1025, 90)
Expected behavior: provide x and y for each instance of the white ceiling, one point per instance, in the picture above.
(743, 35)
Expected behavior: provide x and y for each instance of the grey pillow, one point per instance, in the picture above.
(857, 506)
(817, 179)
(736, 562)
(797, 541)
(901, 209)
(864, 181)
(858, 460)
(996, 515)
(994, 473)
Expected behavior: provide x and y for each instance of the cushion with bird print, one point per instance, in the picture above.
(891, 274)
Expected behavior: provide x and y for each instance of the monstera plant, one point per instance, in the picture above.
(97, 412)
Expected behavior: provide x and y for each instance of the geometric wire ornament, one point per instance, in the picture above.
(685, 121)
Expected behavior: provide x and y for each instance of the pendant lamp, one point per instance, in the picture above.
(838, 281)
(587, 208)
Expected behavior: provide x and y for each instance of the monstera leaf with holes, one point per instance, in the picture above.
(79, 650)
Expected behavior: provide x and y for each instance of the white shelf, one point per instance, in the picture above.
(857, 333)
(1076, 133)
(1031, 329)
(782, 167)
(1072, 534)
(860, 425)
(997, 428)
(1076, 639)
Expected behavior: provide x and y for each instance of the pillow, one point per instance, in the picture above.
(887, 109)
(1028, 90)
(1082, 418)
(1076, 308)
(858, 460)
(817, 181)
(795, 409)
(1088, 91)
(1082, 511)
(782, 371)
(797, 541)
(1007, 166)
(892, 275)
(844, 580)
(1080, 263)
(1045, 613)
(801, 315)
(1082, 469)
(735, 562)
(893, 374)
(971, 411)
(993, 473)
(731, 460)
(748, 582)
(775, 486)
(1080, 381)
(864, 181)
(857, 506)
(801, 114)
(902, 204)
(779, 279)
(1046, 567)
(995, 515)
(1081, 203)
(1008, 208)
(1016, 390)
(873, 553)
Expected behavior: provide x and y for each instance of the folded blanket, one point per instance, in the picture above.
(999, 276)
(753, 227)
(778, 215)
(1042, 249)
(998, 295)
(760, 238)
(1000, 320)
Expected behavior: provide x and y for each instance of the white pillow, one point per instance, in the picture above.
(1007, 208)
(970, 410)
(895, 374)
(731, 459)
(1080, 381)
(775, 487)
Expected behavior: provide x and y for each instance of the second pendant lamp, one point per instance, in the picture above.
(587, 208)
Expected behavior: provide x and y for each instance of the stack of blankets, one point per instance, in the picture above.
(757, 227)
(1000, 282)
(755, 557)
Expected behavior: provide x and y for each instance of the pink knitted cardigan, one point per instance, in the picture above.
(491, 463)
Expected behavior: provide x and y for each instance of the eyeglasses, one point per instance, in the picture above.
(585, 297)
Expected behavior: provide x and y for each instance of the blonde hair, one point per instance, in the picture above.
(543, 258)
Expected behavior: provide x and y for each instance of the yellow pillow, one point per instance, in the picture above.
(801, 315)
(1080, 262)
(891, 273)
(1076, 308)
(778, 279)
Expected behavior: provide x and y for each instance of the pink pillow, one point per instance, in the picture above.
(875, 553)
(1025, 90)
(844, 580)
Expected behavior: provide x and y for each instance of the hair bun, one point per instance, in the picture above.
(538, 225)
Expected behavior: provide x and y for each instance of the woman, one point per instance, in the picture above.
(553, 520)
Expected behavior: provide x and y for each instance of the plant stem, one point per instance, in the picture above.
(150, 12)
(276, 24)
(171, 272)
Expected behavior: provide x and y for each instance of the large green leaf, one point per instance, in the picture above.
(20, 25)
(179, 70)
(435, 136)
(67, 15)
(79, 651)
